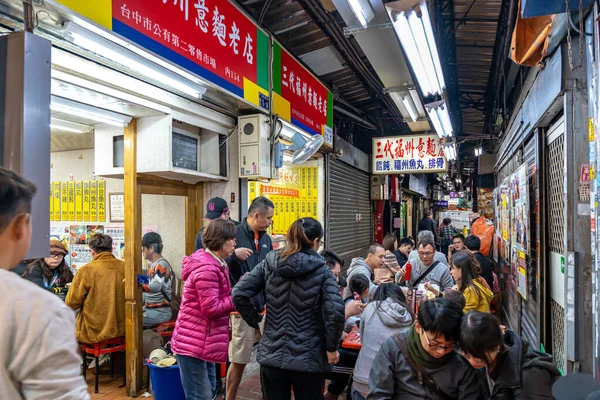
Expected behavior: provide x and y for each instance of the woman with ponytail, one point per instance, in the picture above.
(304, 319)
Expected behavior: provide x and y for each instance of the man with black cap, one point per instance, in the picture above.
(215, 208)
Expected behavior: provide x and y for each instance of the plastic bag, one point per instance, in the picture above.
(485, 233)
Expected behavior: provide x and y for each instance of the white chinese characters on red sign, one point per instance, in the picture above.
(211, 33)
(408, 154)
(307, 96)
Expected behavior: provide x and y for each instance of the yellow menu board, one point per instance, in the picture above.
(56, 197)
(81, 201)
(93, 201)
(101, 201)
(51, 202)
(64, 196)
(295, 195)
(86, 201)
(71, 200)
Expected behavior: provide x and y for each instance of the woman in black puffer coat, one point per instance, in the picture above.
(304, 319)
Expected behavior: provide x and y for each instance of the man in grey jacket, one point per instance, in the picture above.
(427, 235)
(439, 275)
(366, 266)
(429, 348)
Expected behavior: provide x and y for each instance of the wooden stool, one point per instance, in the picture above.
(108, 346)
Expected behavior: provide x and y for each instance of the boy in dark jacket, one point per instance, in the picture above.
(423, 363)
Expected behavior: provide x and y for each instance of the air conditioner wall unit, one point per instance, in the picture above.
(255, 147)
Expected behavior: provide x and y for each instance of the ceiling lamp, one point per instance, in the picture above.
(408, 102)
(109, 50)
(413, 28)
(450, 151)
(440, 118)
(362, 10)
(65, 106)
(478, 151)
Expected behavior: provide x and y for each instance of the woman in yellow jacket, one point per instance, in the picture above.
(476, 291)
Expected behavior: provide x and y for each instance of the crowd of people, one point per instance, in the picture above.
(295, 302)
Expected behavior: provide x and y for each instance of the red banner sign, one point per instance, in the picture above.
(213, 34)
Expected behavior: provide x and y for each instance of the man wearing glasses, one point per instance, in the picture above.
(215, 208)
(425, 269)
(423, 363)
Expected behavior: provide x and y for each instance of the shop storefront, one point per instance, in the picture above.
(140, 144)
(542, 224)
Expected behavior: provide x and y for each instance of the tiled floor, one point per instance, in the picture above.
(109, 387)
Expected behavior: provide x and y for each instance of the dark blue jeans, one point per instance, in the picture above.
(195, 378)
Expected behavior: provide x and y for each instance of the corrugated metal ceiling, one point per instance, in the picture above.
(293, 23)
(475, 26)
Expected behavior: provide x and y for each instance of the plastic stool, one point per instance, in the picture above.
(108, 346)
(166, 329)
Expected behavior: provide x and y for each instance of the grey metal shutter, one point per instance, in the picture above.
(349, 224)
(530, 308)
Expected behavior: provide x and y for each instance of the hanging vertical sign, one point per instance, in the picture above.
(93, 201)
(299, 97)
(86, 201)
(101, 201)
(71, 199)
(79, 201)
(51, 202)
(64, 201)
(56, 198)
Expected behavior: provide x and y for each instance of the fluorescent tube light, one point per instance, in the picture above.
(85, 114)
(450, 151)
(405, 103)
(440, 118)
(69, 126)
(416, 36)
(362, 10)
(109, 50)
(136, 49)
(65, 128)
(288, 131)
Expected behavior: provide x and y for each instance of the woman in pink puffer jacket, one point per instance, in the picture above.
(201, 334)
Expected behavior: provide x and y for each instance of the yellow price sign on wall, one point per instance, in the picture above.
(79, 201)
(86, 201)
(295, 195)
(71, 200)
(101, 201)
(56, 200)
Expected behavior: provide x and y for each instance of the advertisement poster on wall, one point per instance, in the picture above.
(521, 272)
(504, 206)
(520, 205)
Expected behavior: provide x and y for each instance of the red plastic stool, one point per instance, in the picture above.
(166, 329)
(108, 346)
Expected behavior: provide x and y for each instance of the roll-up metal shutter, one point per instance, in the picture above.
(530, 308)
(350, 227)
